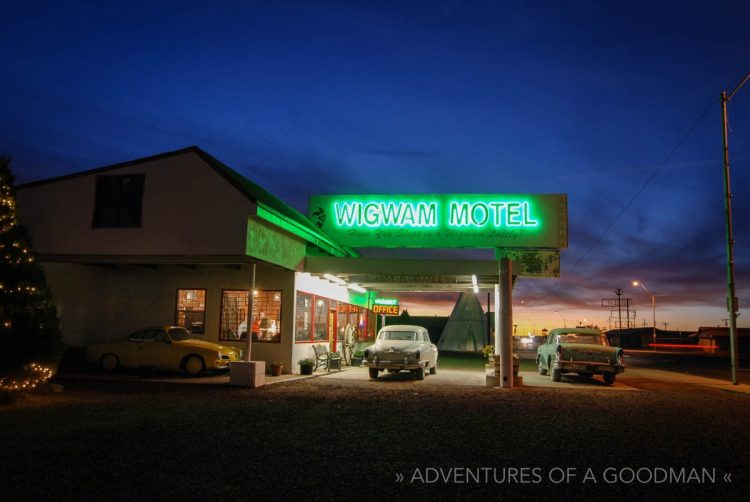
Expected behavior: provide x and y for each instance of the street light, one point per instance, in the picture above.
(533, 327)
(653, 306)
(732, 304)
(565, 323)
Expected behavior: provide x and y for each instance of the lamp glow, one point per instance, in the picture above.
(336, 279)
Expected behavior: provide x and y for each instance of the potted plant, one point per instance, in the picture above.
(334, 361)
(358, 357)
(276, 368)
(489, 351)
(306, 366)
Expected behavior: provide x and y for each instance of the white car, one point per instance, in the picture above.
(402, 347)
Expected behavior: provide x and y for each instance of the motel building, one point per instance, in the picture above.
(180, 238)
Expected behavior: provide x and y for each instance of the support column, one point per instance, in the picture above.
(504, 323)
(248, 373)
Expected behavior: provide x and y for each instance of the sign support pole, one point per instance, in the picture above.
(249, 341)
(504, 323)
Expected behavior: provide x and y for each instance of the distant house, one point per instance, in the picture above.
(719, 337)
(633, 338)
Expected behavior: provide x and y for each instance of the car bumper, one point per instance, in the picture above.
(222, 364)
(395, 364)
(588, 367)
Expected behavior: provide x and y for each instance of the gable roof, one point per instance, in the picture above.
(270, 207)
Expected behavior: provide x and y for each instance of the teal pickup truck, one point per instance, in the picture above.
(579, 350)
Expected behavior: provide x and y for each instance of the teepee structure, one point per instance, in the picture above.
(466, 330)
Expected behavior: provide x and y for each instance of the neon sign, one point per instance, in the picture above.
(386, 301)
(443, 220)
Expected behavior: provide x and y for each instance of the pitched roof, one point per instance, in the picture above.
(270, 207)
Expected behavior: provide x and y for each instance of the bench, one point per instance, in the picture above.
(323, 358)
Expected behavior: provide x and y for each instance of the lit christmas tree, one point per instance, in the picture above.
(29, 328)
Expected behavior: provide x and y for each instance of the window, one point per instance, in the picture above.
(303, 318)
(266, 322)
(320, 323)
(266, 316)
(233, 314)
(190, 311)
(118, 201)
(312, 318)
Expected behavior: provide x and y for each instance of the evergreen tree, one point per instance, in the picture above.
(404, 317)
(29, 328)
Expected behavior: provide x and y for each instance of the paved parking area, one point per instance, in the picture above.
(478, 378)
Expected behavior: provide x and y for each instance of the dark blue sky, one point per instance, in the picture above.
(583, 98)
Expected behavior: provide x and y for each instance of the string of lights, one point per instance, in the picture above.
(34, 374)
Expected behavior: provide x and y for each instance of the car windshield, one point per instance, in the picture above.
(582, 338)
(397, 335)
(179, 334)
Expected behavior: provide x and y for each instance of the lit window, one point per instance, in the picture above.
(190, 312)
(266, 322)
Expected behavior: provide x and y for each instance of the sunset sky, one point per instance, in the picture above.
(614, 103)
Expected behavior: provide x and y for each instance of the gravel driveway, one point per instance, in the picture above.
(330, 437)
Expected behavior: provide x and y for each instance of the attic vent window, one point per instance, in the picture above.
(119, 201)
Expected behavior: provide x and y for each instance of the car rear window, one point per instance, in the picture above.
(398, 335)
(579, 338)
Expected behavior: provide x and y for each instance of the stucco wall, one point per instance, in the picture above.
(188, 209)
(105, 303)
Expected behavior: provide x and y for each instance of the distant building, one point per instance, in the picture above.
(720, 338)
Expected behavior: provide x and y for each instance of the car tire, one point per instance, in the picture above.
(433, 370)
(194, 365)
(556, 374)
(374, 373)
(542, 369)
(419, 373)
(609, 378)
(109, 362)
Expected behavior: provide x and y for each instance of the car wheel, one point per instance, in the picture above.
(609, 378)
(556, 374)
(194, 365)
(433, 370)
(419, 373)
(373, 373)
(542, 369)
(109, 362)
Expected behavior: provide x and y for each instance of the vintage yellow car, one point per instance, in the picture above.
(170, 348)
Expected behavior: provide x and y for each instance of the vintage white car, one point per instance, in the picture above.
(402, 347)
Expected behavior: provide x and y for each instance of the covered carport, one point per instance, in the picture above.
(526, 233)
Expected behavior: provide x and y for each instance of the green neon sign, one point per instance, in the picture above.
(386, 301)
(443, 220)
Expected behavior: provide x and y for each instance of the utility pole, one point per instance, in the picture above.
(732, 303)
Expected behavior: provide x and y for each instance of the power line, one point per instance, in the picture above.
(634, 197)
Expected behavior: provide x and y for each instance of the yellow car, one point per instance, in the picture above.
(171, 348)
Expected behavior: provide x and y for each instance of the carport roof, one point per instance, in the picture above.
(402, 275)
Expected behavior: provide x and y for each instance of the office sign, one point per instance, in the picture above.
(444, 220)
